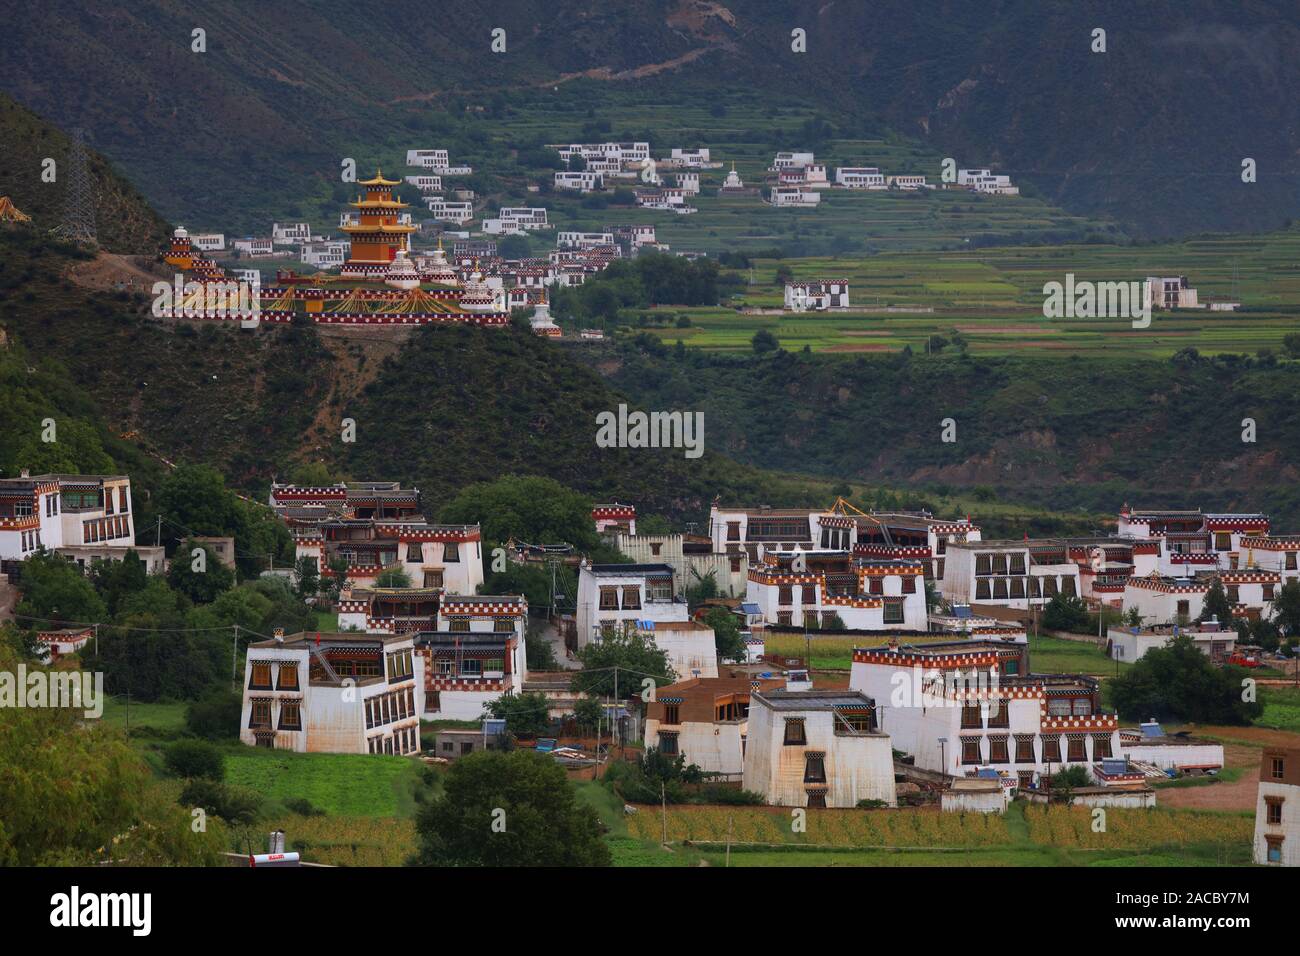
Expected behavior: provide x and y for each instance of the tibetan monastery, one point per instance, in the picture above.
(383, 282)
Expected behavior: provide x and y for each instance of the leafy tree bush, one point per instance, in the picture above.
(523, 713)
(508, 809)
(215, 716)
(634, 653)
(1178, 682)
(194, 758)
(726, 633)
(1066, 613)
(237, 805)
(764, 342)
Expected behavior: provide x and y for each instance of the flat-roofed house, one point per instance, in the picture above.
(813, 588)
(963, 707)
(82, 517)
(703, 720)
(1160, 599)
(1127, 643)
(615, 597)
(475, 656)
(1014, 574)
(333, 693)
(817, 748)
(1277, 810)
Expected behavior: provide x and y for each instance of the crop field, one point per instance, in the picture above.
(992, 298)
(1031, 826)
(349, 840)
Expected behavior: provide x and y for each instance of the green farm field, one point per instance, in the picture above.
(993, 297)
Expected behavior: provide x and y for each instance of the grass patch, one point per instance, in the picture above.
(165, 715)
(359, 785)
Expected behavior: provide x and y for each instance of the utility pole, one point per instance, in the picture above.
(234, 653)
(96, 640)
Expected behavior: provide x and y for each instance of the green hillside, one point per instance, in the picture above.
(124, 222)
(1151, 133)
(1063, 433)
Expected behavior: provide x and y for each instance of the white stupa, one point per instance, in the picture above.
(435, 267)
(541, 321)
(478, 296)
(733, 183)
(401, 273)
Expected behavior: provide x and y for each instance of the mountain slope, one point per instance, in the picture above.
(124, 221)
(1153, 131)
(1062, 433)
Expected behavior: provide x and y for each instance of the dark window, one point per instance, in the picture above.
(1100, 746)
(893, 610)
(1278, 768)
(609, 599)
(1274, 816)
(1052, 748)
(998, 750)
(667, 743)
(261, 676)
(260, 716)
(970, 750)
(631, 598)
(671, 715)
(785, 596)
(450, 552)
(816, 800)
(290, 715)
(288, 677)
(1024, 749)
(814, 769)
(414, 553)
(999, 713)
(1076, 751)
(794, 733)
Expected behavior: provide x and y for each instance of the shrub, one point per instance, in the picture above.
(233, 804)
(195, 759)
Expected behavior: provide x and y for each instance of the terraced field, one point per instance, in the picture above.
(992, 298)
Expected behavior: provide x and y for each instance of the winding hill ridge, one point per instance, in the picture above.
(1152, 132)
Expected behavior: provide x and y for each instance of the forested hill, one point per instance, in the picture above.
(124, 221)
(1057, 432)
(1153, 131)
(444, 408)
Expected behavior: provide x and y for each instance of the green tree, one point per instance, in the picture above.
(587, 714)
(1216, 605)
(54, 590)
(115, 579)
(1286, 609)
(199, 580)
(215, 716)
(394, 577)
(74, 792)
(306, 573)
(1178, 682)
(524, 714)
(634, 653)
(1065, 613)
(764, 342)
(528, 508)
(194, 758)
(726, 633)
(508, 809)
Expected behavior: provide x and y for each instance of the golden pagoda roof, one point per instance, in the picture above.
(376, 227)
(379, 204)
(379, 180)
